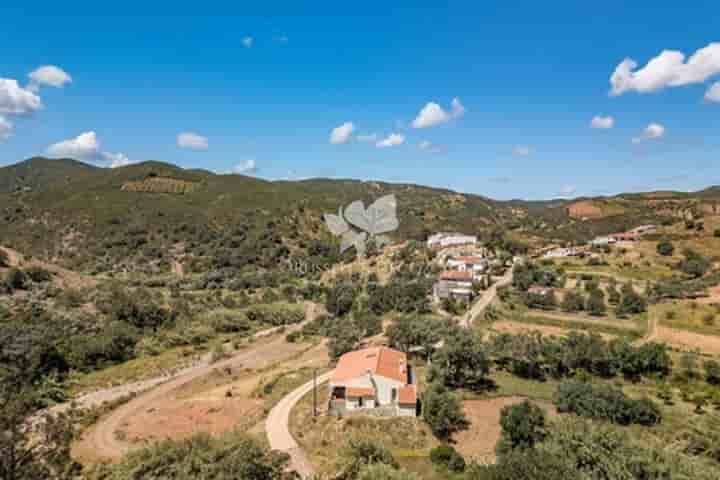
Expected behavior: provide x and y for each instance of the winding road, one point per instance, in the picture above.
(485, 299)
(278, 430)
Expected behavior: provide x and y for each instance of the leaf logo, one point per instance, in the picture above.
(378, 218)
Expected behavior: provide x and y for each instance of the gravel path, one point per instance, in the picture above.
(487, 297)
(278, 431)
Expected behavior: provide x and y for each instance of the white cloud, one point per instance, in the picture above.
(116, 159)
(568, 190)
(5, 129)
(668, 69)
(433, 114)
(49, 75)
(392, 140)
(652, 131)
(85, 147)
(599, 121)
(521, 150)
(247, 42)
(192, 141)
(713, 93)
(15, 100)
(372, 137)
(246, 166)
(342, 134)
(425, 145)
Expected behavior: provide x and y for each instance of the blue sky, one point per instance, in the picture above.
(530, 77)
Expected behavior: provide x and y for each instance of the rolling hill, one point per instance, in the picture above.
(73, 213)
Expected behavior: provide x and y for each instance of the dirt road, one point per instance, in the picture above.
(278, 430)
(102, 437)
(487, 297)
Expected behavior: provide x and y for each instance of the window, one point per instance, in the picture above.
(361, 402)
(394, 395)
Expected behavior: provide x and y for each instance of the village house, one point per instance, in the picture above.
(562, 253)
(375, 380)
(454, 284)
(602, 241)
(444, 240)
(475, 264)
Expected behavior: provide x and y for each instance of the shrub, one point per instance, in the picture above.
(631, 303)
(38, 274)
(573, 302)
(694, 264)
(605, 402)
(4, 259)
(596, 303)
(276, 314)
(665, 248)
(360, 453)
(712, 372)
(16, 279)
(384, 472)
(447, 457)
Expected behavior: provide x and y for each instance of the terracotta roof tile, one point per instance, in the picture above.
(382, 361)
(455, 275)
(355, 392)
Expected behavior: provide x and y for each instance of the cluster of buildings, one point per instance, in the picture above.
(460, 274)
(445, 240)
(629, 236)
(377, 381)
(563, 252)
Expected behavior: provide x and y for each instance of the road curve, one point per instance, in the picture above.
(102, 439)
(278, 431)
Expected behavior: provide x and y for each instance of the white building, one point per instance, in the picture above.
(477, 265)
(444, 240)
(376, 380)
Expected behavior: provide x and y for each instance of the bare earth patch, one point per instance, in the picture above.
(689, 340)
(478, 442)
(713, 296)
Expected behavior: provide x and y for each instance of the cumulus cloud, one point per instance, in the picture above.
(244, 167)
(371, 137)
(392, 140)
(86, 147)
(342, 134)
(433, 114)
(652, 132)
(713, 93)
(192, 141)
(49, 75)
(599, 121)
(247, 42)
(5, 129)
(15, 100)
(521, 150)
(668, 69)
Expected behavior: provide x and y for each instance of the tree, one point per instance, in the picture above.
(344, 340)
(573, 302)
(665, 248)
(442, 411)
(689, 365)
(447, 457)
(596, 303)
(712, 372)
(631, 303)
(462, 362)
(694, 264)
(39, 449)
(340, 299)
(360, 453)
(523, 426)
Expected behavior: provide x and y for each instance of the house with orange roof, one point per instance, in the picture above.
(375, 380)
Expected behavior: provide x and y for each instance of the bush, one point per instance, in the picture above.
(605, 402)
(573, 302)
(360, 453)
(384, 472)
(201, 456)
(4, 259)
(38, 274)
(276, 314)
(446, 456)
(631, 303)
(16, 279)
(596, 303)
(523, 426)
(665, 248)
(694, 264)
(712, 372)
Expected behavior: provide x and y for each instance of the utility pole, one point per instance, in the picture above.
(315, 412)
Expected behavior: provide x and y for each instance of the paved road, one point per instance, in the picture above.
(278, 430)
(487, 297)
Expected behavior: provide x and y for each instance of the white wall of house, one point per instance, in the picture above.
(406, 410)
(382, 385)
(354, 403)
